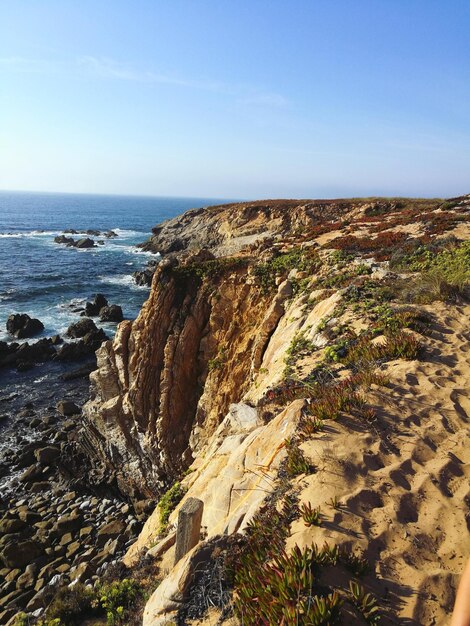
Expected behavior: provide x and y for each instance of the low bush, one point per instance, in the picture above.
(168, 502)
(302, 259)
(397, 345)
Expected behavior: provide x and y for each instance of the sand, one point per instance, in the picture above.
(403, 478)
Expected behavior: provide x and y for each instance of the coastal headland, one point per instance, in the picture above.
(301, 367)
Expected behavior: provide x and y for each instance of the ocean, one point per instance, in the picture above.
(44, 279)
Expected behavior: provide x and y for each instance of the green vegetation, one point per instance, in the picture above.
(304, 260)
(217, 362)
(117, 599)
(275, 587)
(168, 502)
(210, 268)
(296, 463)
(311, 516)
(365, 603)
(300, 347)
(114, 601)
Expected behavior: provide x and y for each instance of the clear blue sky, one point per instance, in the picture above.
(239, 98)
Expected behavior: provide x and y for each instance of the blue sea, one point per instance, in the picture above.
(45, 279)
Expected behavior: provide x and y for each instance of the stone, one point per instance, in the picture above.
(82, 572)
(66, 539)
(20, 553)
(21, 325)
(93, 308)
(66, 407)
(47, 455)
(85, 531)
(72, 549)
(27, 580)
(189, 527)
(81, 328)
(85, 242)
(109, 531)
(68, 523)
(31, 474)
(112, 313)
(8, 526)
(68, 241)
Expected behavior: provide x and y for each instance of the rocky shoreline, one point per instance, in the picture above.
(56, 527)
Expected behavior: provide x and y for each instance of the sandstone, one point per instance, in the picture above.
(85, 532)
(11, 526)
(72, 549)
(68, 523)
(28, 578)
(109, 531)
(21, 553)
(66, 539)
(65, 407)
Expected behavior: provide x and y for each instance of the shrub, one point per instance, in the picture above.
(397, 345)
(300, 347)
(305, 260)
(117, 598)
(382, 246)
(210, 268)
(281, 591)
(168, 502)
(70, 605)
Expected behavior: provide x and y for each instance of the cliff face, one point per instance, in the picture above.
(165, 382)
(211, 333)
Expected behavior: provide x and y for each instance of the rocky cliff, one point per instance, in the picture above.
(302, 368)
(165, 382)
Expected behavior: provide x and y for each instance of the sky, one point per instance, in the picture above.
(236, 98)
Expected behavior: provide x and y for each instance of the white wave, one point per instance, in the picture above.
(32, 233)
(124, 280)
(124, 232)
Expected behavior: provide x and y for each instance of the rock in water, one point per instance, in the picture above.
(85, 243)
(112, 313)
(20, 325)
(81, 328)
(68, 241)
(94, 308)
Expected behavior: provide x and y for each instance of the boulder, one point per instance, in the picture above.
(8, 526)
(68, 523)
(66, 407)
(27, 580)
(110, 531)
(86, 242)
(112, 313)
(67, 241)
(21, 325)
(49, 454)
(20, 553)
(94, 307)
(81, 328)
(143, 278)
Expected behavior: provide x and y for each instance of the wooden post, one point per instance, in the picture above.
(189, 527)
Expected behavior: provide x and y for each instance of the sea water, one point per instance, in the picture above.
(47, 280)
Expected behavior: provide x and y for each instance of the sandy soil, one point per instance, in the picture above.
(403, 478)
